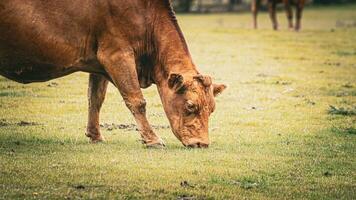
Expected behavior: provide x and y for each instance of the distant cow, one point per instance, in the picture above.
(272, 12)
(131, 43)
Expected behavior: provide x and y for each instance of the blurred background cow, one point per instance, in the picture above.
(207, 6)
(211, 6)
(272, 5)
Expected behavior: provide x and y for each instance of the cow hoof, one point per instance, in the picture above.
(156, 145)
(96, 139)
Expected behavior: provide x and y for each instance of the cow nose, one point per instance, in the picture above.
(198, 145)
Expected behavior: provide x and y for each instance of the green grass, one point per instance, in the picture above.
(273, 135)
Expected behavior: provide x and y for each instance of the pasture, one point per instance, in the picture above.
(284, 129)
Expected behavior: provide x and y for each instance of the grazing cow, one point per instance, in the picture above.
(255, 4)
(131, 44)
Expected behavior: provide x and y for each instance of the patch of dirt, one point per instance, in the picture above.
(113, 126)
(21, 123)
(185, 197)
(299, 95)
(3, 123)
(345, 90)
(24, 123)
(283, 83)
(128, 127)
(79, 187)
(342, 111)
(327, 174)
(347, 85)
(186, 184)
(344, 94)
(52, 84)
(158, 127)
(309, 102)
(332, 63)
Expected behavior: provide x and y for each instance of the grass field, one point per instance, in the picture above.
(274, 134)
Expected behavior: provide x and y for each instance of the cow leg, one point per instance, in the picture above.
(121, 67)
(300, 6)
(255, 5)
(289, 13)
(96, 95)
(272, 13)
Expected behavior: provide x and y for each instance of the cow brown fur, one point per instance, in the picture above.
(131, 44)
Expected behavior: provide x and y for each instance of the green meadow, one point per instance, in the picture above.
(285, 128)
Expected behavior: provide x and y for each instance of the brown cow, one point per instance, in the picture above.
(131, 43)
(255, 4)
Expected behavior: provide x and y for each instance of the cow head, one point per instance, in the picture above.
(188, 101)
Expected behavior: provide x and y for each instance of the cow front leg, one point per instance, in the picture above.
(255, 5)
(96, 95)
(289, 13)
(299, 10)
(121, 68)
(272, 13)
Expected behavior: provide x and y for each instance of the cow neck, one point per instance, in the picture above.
(171, 49)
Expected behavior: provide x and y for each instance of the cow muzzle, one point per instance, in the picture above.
(197, 144)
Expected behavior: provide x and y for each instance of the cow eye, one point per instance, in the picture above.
(190, 107)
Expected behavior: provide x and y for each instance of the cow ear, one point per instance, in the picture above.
(176, 82)
(218, 89)
(205, 80)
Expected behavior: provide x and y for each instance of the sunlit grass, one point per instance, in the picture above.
(273, 135)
